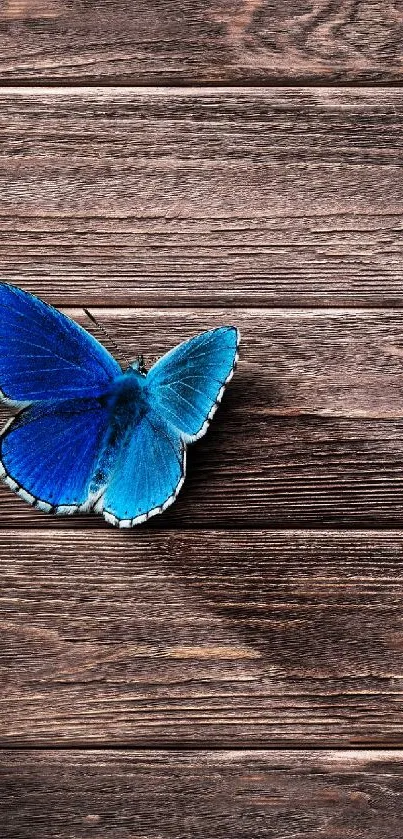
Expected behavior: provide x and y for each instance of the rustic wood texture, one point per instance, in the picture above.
(224, 623)
(202, 795)
(212, 638)
(167, 41)
(310, 430)
(203, 197)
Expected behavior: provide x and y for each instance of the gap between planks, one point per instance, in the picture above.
(84, 746)
(47, 84)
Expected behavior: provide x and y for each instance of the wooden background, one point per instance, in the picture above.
(234, 668)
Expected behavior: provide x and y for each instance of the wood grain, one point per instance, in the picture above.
(201, 795)
(203, 197)
(210, 628)
(310, 430)
(201, 41)
(212, 638)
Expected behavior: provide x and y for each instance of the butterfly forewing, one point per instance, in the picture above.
(187, 383)
(44, 355)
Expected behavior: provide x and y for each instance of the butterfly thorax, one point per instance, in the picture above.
(127, 393)
(127, 404)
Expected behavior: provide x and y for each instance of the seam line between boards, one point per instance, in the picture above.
(174, 84)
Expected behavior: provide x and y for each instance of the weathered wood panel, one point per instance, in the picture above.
(154, 197)
(165, 41)
(180, 637)
(201, 795)
(310, 430)
(216, 638)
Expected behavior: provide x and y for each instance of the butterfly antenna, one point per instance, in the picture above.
(102, 328)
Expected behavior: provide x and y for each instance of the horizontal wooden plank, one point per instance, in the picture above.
(210, 197)
(220, 638)
(200, 795)
(310, 430)
(164, 41)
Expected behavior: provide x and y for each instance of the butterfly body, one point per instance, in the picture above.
(124, 406)
(90, 436)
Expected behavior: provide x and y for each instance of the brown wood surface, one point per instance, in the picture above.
(203, 197)
(254, 613)
(202, 795)
(208, 41)
(310, 430)
(215, 638)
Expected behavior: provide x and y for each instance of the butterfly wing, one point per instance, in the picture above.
(45, 355)
(148, 474)
(186, 385)
(49, 451)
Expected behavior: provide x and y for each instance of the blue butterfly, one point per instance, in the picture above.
(90, 436)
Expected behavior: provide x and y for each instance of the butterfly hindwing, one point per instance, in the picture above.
(187, 383)
(45, 355)
(148, 474)
(48, 452)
